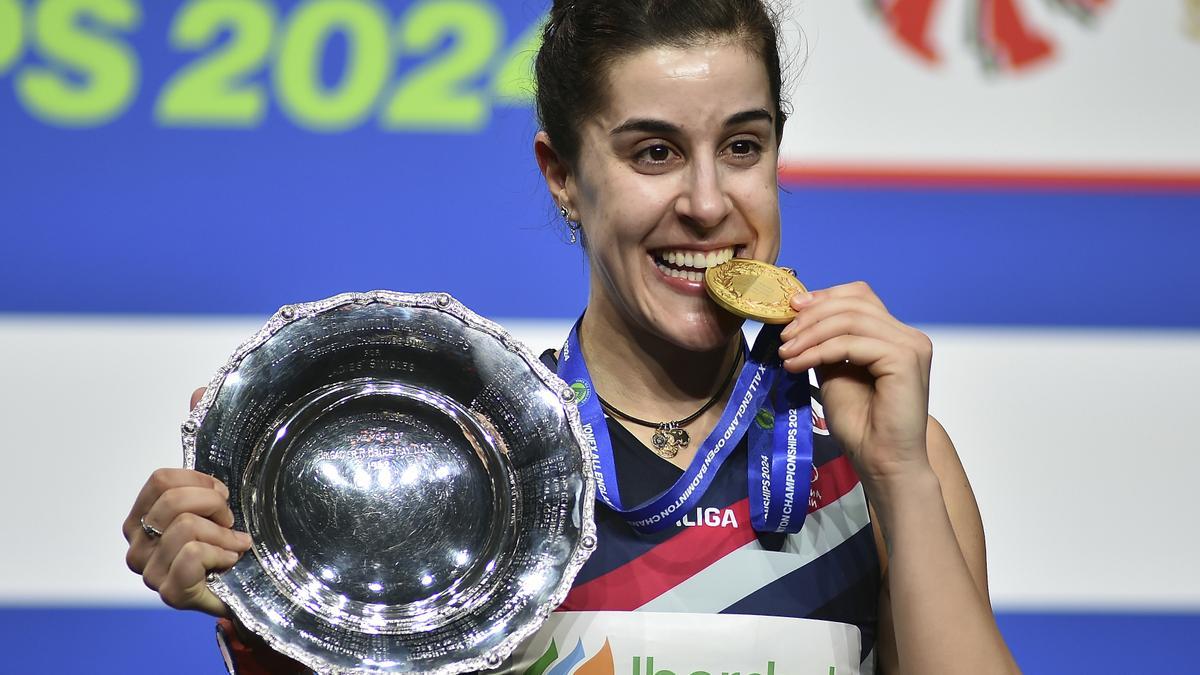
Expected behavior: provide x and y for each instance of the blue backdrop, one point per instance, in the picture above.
(231, 156)
(216, 156)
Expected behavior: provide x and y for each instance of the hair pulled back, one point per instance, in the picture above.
(583, 38)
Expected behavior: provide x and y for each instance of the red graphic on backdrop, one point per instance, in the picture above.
(1000, 31)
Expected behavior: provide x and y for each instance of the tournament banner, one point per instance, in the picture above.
(200, 156)
(1080, 94)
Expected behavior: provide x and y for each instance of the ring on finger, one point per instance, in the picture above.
(150, 530)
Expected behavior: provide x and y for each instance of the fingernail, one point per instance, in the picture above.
(245, 539)
(801, 299)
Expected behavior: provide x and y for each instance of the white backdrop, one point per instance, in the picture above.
(1078, 443)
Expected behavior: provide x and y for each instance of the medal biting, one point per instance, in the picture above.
(753, 289)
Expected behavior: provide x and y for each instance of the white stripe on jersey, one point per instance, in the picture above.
(749, 568)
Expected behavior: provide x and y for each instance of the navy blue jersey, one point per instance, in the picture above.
(713, 561)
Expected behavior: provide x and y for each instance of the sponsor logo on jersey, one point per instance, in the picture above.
(577, 662)
(709, 517)
(600, 663)
(653, 668)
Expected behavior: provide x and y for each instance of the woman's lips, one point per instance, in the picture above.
(683, 269)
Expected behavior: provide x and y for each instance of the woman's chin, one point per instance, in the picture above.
(705, 331)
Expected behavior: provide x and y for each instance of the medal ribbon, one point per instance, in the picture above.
(767, 402)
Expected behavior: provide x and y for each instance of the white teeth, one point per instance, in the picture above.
(689, 275)
(696, 259)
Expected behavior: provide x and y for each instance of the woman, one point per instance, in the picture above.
(661, 123)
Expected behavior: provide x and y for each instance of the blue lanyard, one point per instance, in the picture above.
(768, 403)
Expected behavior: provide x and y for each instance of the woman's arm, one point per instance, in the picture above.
(929, 569)
(874, 373)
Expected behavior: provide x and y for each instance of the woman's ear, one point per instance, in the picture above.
(555, 171)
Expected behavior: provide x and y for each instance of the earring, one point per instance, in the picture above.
(572, 225)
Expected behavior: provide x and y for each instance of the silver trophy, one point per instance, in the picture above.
(414, 479)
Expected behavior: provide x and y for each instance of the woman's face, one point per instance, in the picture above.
(676, 173)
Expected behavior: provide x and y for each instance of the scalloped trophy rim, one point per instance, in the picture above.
(444, 302)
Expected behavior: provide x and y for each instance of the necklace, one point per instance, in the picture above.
(670, 436)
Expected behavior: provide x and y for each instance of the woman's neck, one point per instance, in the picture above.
(646, 376)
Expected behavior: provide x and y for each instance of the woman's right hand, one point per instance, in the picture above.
(191, 509)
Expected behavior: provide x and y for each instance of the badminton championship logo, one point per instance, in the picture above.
(1000, 32)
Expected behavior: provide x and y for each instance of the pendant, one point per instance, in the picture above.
(668, 438)
(682, 438)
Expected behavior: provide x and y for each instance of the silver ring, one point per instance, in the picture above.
(150, 530)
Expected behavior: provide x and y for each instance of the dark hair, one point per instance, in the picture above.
(583, 38)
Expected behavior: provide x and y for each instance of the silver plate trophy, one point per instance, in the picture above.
(414, 480)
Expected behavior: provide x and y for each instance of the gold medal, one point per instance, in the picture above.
(753, 289)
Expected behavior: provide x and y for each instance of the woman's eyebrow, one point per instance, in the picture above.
(662, 127)
(646, 125)
(749, 116)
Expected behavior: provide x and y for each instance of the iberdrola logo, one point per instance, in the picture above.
(550, 664)
(602, 663)
(581, 391)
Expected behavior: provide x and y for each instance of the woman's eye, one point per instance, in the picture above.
(656, 153)
(743, 147)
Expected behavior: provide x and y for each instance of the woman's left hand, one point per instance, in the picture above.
(874, 374)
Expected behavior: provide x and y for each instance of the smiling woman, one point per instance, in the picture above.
(661, 127)
(849, 544)
(660, 187)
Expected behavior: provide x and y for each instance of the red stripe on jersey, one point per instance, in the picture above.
(683, 556)
(831, 480)
(663, 567)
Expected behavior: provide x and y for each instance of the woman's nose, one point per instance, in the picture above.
(703, 203)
